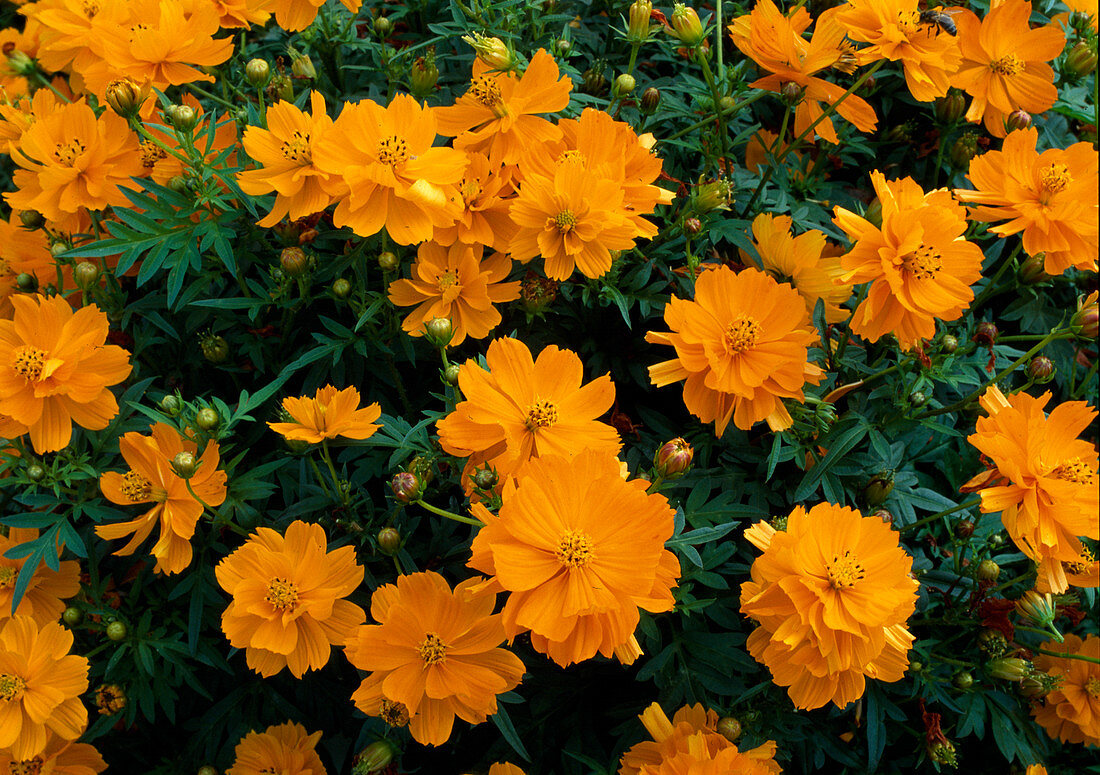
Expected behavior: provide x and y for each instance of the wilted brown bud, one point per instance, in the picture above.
(110, 699)
(125, 97)
(537, 293)
(258, 73)
(405, 486)
(673, 459)
(986, 333)
(281, 88)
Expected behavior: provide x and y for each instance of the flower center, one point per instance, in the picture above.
(575, 549)
(1075, 470)
(66, 153)
(846, 61)
(742, 334)
(923, 263)
(471, 190)
(91, 8)
(151, 153)
(844, 571)
(1092, 686)
(136, 487)
(1082, 564)
(908, 21)
(446, 279)
(394, 713)
(1009, 64)
(432, 650)
(484, 89)
(7, 576)
(572, 157)
(11, 686)
(1054, 178)
(541, 414)
(27, 766)
(564, 221)
(296, 149)
(29, 362)
(282, 594)
(393, 151)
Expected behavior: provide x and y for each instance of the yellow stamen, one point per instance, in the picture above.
(564, 221)
(393, 151)
(1075, 470)
(1054, 178)
(484, 89)
(29, 362)
(11, 686)
(923, 263)
(432, 650)
(136, 487)
(742, 334)
(1009, 64)
(296, 149)
(542, 414)
(282, 594)
(7, 576)
(844, 571)
(446, 279)
(575, 549)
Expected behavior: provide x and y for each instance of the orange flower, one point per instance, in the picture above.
(286, 151)
(801, 262)
(1071, 713)
(503, 768)
(58, 369)
(894, 30)
(394, 178)
(12, 41)
(242, 13)
(328, 415)
(740, 346)
(71, 160)
(832, 593)
(918, 263)
(521, 408)
(42, 599)
(288, 606)
(70, 31)
(40, 687)
(295, 15)
(458, 284)
(1004, 63)
(435, 652)
(22, 250)
(496, 116)
(485, 192)
(776, 43)
(1050, 497)
(59, 757)
(580, 550)
(1050, 196)
(286, 749)
(151, 479)
(691, 737)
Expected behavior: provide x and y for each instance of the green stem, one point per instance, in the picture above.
(656, 485)
(340, 492)
(1051, 633)
(717, 97)
(449, 514)
(212, 97)
(1067, 655)
(989, 289)
(633, 57)
(138, 127)
(718, 111)
(44, 81)
(320, 478)
(961, 507)
(718, 41)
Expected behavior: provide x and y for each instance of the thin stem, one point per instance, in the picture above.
(961, 507)
(340, 492)
(1067, 655)
(1051, 633)
(717, 97)
(718, 110)
(718, 47)
(989, 289)
(213, 97)
(46, 82)
(449, 514)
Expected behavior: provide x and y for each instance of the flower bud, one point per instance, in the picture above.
(387, 261)
(110, 699)
(424, 74)
(341, 288)
(492, 51)
(35, 472)
(692, 226)
(964, 149)
(1032, 270)
(301, 66)
(85, 275)
(214, 348)
(450, 374)
(1086, 320)
(963, 680)
(21, 63)
(729, 728)
(170, 404)
(206, 769)
(637, 28)
(624, 84)
(185, 464)
(383, 26)
(964, 528)
(72, 616)
(564, 46)
(1040, 370)
(125, 97)
(686, 26)
(1009, 668)
(879, 488)
(1017, 119)
(949, 108)
(918, 398)
(1081, 60)
(258, 73)
(178, 183)
(405, 486)
(873, 213)
(389, 540)
(293, 261)
(373, 758)
(439, 331)
(712, 195)
(182, 117)
(988, 570)
(1037, 608)
(884, 515)
(32, 220)
(207, 418)
(986, 333)
(485, 478)
(281, 88)
(593, 81)
(59, 248)
(792, 92)
(117, 631)
(949, 344)
(26, 282)
(673, 459)
(651, 99)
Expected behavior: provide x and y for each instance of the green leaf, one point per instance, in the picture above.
(839, 445)
(504, 724)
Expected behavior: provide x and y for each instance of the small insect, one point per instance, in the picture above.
(939, 19)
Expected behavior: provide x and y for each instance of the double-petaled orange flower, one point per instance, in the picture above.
(331, 413)
(1043, 480)
(22, 250)
(59, 757)
(1050, 196)
(1071, 713)
(294, 15)
(286, 749)
(894, 31)
(521, 408)
(1004, 63)
(776, 43)
(691, 738)
(801, 262)
(741, 348)
(394, 178)
(832, 593)
(580, 550)
(496, 116)
(70, 160)
(458, 284)
(152, 479)
(68, 31)
(918, 263)
(288, 608)
(485, 191)
(40, 687)
(435, 652)
(55, 369)
(285, 149)
(42, 599)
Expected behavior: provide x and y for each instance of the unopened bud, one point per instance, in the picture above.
(879, 488)
(673, 459)
(387, 261)
(485, 478)
(1040, 370)
(258, 73)
(873, 213)
(624, 84)
(1033, 270)
(125, 97)
(185, 464)
(450, 374)
(651, 99)
(986, 334)
(293, 261)
(1085, 322)
(686, 26)
(1009, 668)
(593, 79)
(1037, 608)
(918, 398)
(389, 540)
(729, 728)
(1017, 119)
(383, 26)
(963, 680)
(207, 418)
(637, 28)
(35, 472)
(21, 63)
(792, 92)
(713, 195)
(964, 528)
(692, 226)
(182, 117)
(170, 404)
(1081, 60)
(988, 570)
(492, 51)
(85, 275)
(301, 66)
(439, 331)
(884, 515)
(424, 74)
(374, 758)
(949, 344)
(964, 149)
(178, 183)
(564, 46)
(31, 219)
(405, 486)
(950, 108)
(341, 288)
(26, 282)
(214, 348)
